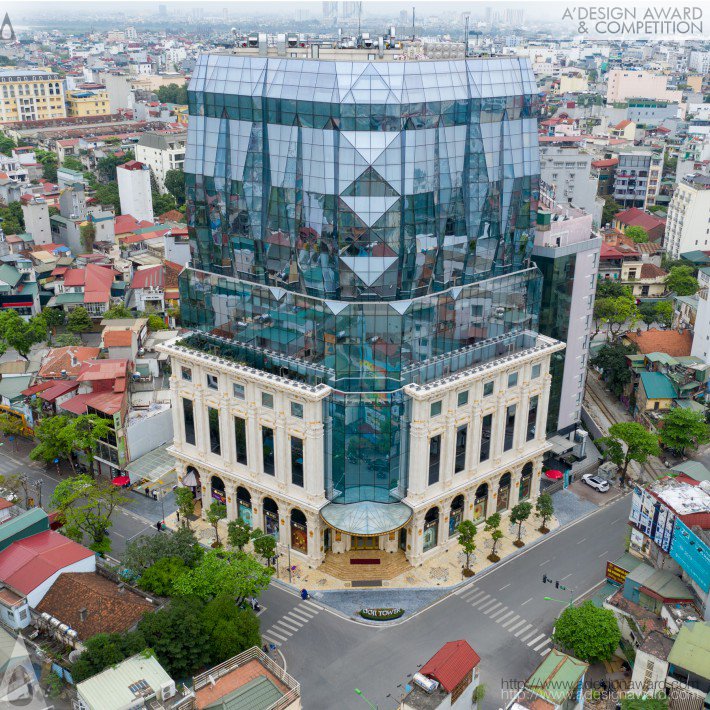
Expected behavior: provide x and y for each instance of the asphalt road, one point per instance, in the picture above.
(502, 614)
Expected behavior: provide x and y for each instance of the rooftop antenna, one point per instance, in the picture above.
(359, 18)
(467, 16)
(413, 18)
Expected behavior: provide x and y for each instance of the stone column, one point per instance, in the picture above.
(514, 490)
(418, 458)
(498, 432)
(313, 471)
(492, 495)
(448, 446)
(226, 432)
(473, 441)
(253, 437)
(521, 420)
(282, 450)
(442, 536)
(230, 490)
(535, 481)
(176, 406)
(415, 539)
(257, 511)
(206, 483)
(315, 556)
(542, 408)
(199, 413)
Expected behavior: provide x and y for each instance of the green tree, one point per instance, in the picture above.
(87, 430)
(684, 429)
(238, 534)
(235, 574)
(681, 280)
(588, 632)
(53, 317)
(518, 515)
(627, 442)
(647, 313)
(185, 501)
(231, 630)
(106, 166)
(493, 528)
(17, 333)
(54, 440)
(614, 313)
(544, 509)
(79, 320)
(49, 163)
(644, 702)
(172, 94)
(160, 577)
(664, 313)
(13, 219)
(118, 311)
(178, 637)
(611, 359)
(609, 288)
(73, 163)
(638, 234)
(108, 195)
(6, 144)
(155, 322)
(264, 545)
(609, 210)
(104, 650)
(175, 185)
(64, 340)
(11, 425)
(216, 512)
(143, 552)
(87, 234)
(163, 203)
(467, 539)
(85, 507)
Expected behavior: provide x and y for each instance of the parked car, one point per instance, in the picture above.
(595, 482)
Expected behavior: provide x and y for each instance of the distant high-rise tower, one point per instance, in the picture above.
(162, 10)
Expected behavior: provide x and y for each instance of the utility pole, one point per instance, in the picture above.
(413, 18)
(467, 16)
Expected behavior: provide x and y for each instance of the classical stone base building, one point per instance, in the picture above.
(257, 442)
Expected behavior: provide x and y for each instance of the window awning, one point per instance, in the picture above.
(366, 518)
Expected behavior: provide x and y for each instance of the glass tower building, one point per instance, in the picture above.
(367, 225)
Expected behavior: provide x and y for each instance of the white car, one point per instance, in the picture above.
(595, 482)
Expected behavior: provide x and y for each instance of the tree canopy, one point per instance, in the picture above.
(104, 650)
(681, 280)
(79, 320)
(684, 429)
(13, 219)
(172, 94)
(145, 551)
(467, 539)
(17, 333)
(54, 439)
(610, 209)
(175, 185)
(106, 166)
(231, 630)
(544, 509)
(627, 442)
(611, 360)
(117, 311)
(638, 234)
(588, 632)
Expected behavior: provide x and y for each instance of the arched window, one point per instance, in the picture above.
(218, 493)
(525, 481)
(271, 517)
(503, 492)
(480, 503)
(456, 514)
(244, 506)
(299, 531)
(431, 529)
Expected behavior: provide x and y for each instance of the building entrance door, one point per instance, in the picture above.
(365, 543)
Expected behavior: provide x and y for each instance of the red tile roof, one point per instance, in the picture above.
(132, 165)
(58, 389)
(635, 217)
(450, 664)
(74, 277)
(670, 342)
(25, 564)
(98, 283)
(126, 223)
(651, 271)
(106, 402)
(70, 359)
(607, 163)
(151, 277)
(609, 252)
(622, 124)
(144, 236)
(117, 338)
(95, 370)
(37, 388)
(108, 610)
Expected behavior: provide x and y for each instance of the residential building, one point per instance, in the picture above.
(19, 289)
(138, 682)
(644, 280)
(637, 180)
(553, 685)
(651, 113)
(36, 213)
(688, 224)
(14, 169)
(161, 152)
(88, 102)
(569, 176)
(25, 524)
(155, 288)
(623, 130)
(624, 84)
(18, 680)
(690, 548)
(672, 342)
(701, 337)
(447, 681)
(573, 83)
(249, 680)
(603, 170)
(31, 566)
(688, 672)
(566, 250)
(30, 95)
(654, 226)
(134, 190)
(89, 287)
(316, 393)
(650, 668)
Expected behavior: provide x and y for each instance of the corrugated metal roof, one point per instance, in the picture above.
(556, 678)
(691, 649)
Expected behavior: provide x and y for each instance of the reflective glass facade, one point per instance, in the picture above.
(364, 224)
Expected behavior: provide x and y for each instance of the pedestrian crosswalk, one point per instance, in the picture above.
(513, 623)
(291, 622)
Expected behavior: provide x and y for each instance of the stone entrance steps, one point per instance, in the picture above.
(392, 564)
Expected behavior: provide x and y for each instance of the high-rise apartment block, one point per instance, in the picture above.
(364, 368)
(624, 84)
(134, 190)
(688, 223)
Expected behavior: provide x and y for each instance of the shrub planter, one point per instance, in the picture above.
(381, 614)
(468, 572)
(494, 558)
(543, 530)
(519, 543)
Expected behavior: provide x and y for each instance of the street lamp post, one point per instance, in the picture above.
(359, 692)
(38, 486)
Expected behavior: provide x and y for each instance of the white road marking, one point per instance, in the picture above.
(510, 621)
(543, 563)
(566, 577)
(294, 620)
(311, 604)
(290, 626)
(523, 629)
(489, 606)
(299, 615)
(541, 644)
(505, 616)
(535, 640)
(472, 594)
(270, 640)
(546, 651)
(271, 632)
(308, 613)
(481, 599)
(603, 553)
(526, 601)
(528, 635)
(584, 539)
(515, 626)
(505, 586)
(498, 613)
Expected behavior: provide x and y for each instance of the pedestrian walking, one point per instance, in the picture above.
(158, 526)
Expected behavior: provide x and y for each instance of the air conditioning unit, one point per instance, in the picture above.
(167, 690)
